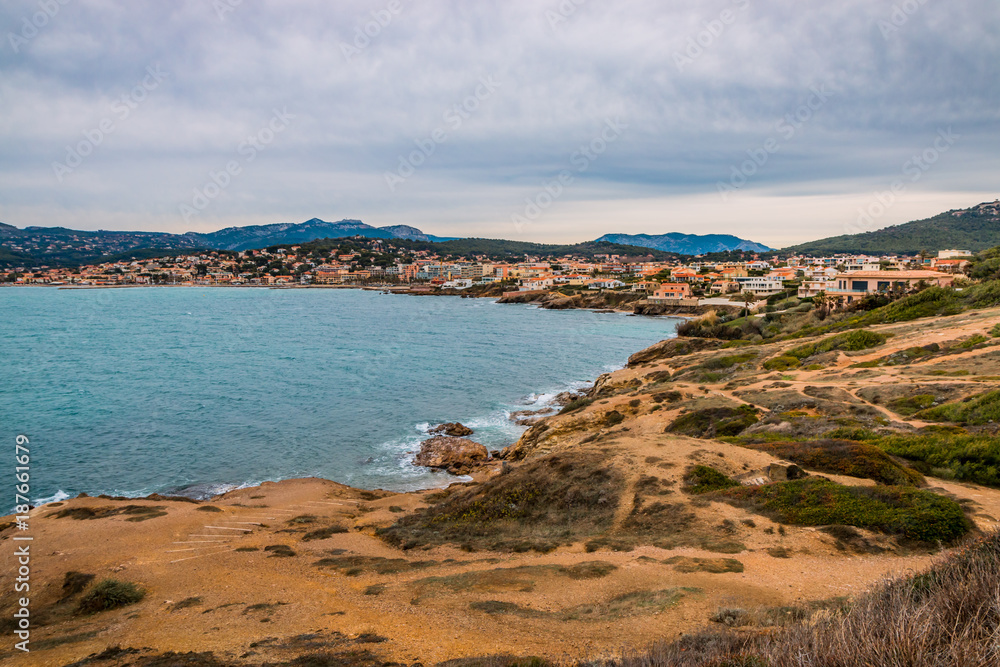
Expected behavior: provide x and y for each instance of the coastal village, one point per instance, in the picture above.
(360, 262)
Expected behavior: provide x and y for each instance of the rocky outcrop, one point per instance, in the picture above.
(783, 471)
(674, 347)
(529, 417)
(458, 456)
(453, 429)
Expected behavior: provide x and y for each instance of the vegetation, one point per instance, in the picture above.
(913, 514)
(537, 505)
(975, 410)
(975, 228)
(110, 594)
(944, 616)
(842, 457)
(722, 363)
(849, 342)
(712, 422)
(705, 479)
(781, 363)
(946, 454)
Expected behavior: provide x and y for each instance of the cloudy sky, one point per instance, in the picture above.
(537, 120)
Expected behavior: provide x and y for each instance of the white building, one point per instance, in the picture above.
(761, 285)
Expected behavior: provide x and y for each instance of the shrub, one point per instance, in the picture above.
(324, 533)
(973, 341)
(782, 363)
(909, 405)
(913, 514)
(853, 341)
(840, 457)
(995, 331)
(578, 404)
(959, 456)
(976, 410)
(712, 422)
(569, 496)
(110, 594)
(722, 363)
(704, 479)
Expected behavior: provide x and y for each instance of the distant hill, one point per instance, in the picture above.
(58, 246)
(498, 249)
(976, 228)
(685, 244)
(262, 236)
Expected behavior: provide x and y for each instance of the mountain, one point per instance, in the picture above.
(685, 244)
(58, 246)
(974, 229)
(262, 236)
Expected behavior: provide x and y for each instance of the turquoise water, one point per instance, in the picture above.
(135, 391)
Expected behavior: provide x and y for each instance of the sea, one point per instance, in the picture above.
(197, 390)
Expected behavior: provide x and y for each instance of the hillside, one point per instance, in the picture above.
(975, 229)
(58, 246)
(686, 244)
(497, 249)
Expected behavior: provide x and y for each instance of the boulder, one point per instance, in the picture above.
(782, 471)
(456, 455)
(455, 430)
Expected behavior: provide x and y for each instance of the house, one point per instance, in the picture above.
(673, 294)
(810, 288)
(670, 291)
(761, 285)
(953, 254)
(951, 265)
(724, 287)
(684, 274)
(857, 284)
(645, 286)
(604, 284)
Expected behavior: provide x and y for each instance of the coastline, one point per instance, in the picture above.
(618, 552)
(381, 474)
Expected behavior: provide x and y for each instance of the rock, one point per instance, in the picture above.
(456, 455)
(565, 398)
(672, 347)
(783, 471)
(455, 430)
(529, 417)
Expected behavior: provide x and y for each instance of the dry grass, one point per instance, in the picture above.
(946, 617)
(537, 506)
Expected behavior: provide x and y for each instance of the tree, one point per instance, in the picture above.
(747, 298)
(822, 303)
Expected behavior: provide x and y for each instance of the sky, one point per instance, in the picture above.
(536, 120)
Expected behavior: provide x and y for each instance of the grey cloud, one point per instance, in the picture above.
(689, 121)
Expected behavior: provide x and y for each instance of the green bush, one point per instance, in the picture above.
(722, 363)
(975, 410)
(110, 594)
(995, 331)
(852, 341)
(959, 456)
(712, 422)
(913, 514)
(704, 479)
(973, 341)
(912, 404)
(782, 363)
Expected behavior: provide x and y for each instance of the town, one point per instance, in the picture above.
(363, 262)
